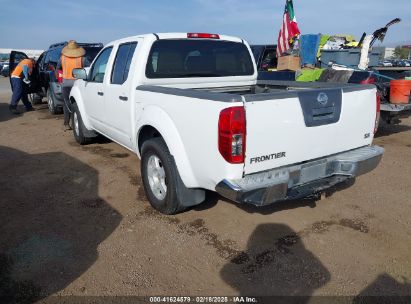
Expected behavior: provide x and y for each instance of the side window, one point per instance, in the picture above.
(98, 69)
(122, 62)
(15, 60)
(269, 60)
(54, 58)
(46, 61)
(19, 57)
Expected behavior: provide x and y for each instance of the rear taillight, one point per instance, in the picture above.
(232, 134)
(59, 76)
(377, 114)
(203, 36)
(369, 80)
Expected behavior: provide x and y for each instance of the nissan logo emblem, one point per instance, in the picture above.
(322, 99)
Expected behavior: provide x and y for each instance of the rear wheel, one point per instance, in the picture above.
(78, 128)
(36, 98)
(52, 103)
(159, 174)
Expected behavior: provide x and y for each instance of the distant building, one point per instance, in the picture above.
(389, 53)
(5, 53)
(386, 52)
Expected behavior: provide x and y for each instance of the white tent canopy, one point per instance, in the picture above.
(30, 53)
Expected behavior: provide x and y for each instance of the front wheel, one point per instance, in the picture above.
(78, 128)
(159, 174)
(34, 98)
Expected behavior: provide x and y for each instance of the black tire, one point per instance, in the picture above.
(78, 127)
(36, 99)
(51, 102)
(152, 149)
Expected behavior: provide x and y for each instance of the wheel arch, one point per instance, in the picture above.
(75, 97)
(156, 123)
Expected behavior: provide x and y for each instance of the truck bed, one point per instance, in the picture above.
(290, 122)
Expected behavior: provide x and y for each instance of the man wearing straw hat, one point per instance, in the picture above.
(72, 57)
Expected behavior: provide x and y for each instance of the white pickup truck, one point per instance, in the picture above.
(190, 106)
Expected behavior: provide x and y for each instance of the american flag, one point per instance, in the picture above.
(289, 29)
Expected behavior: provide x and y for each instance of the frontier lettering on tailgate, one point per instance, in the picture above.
(267, 157)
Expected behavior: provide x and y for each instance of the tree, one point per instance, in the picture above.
(401, 53)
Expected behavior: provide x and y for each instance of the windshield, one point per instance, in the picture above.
(198, 58)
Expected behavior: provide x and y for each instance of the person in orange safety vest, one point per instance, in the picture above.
(19, 85)
(72, 57)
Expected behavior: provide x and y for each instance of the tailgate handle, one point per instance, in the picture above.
(323, 113)
(123, 98)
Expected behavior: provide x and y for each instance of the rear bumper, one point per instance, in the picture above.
(395, 108)
(301, 180)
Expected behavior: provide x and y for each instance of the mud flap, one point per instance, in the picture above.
(188, 197)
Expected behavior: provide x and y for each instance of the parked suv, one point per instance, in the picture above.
(46, 79)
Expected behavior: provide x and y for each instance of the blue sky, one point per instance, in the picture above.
(37, 24)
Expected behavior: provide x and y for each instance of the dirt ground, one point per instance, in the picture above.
(75, 221)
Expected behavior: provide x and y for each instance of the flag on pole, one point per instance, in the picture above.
(289, 29)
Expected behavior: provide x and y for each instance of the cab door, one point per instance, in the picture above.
(42, 85)
(15, 58)
(94, 91)
(119, 114)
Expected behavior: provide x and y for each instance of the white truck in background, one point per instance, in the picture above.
(190, 106)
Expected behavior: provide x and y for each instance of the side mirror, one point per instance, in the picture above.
(80, 74)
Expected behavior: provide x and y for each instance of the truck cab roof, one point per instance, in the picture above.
(192, 59)
(158, 36)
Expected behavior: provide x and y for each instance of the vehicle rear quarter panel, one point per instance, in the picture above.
(189, 126)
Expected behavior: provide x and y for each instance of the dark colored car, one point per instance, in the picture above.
(266, 60)
(4, 69)
(403, 63)
(46, 79)
(265, 56)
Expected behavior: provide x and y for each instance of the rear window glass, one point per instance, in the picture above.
(198, 58)
(91, 53)
(54, 56)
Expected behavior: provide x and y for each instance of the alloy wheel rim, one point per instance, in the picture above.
(50, 101)
(156, 177)
(76, 125)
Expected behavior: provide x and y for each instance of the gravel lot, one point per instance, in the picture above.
(74, 221)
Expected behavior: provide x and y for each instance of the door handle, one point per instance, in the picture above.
(100, 93)
(123, 98)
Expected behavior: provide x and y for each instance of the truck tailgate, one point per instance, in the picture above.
(296, 126)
